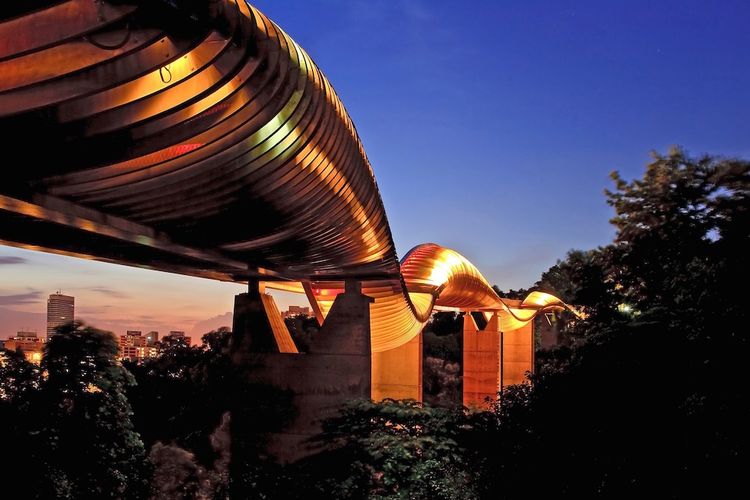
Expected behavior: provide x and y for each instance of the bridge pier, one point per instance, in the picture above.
(518, 355)
(397, 373)
(481, 363)
(493, 359)
(257, 325)
(309, 386)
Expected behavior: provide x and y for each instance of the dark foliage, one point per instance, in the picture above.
(20, 382)
(393, 449)
(649, 398)
(183, 401)
(73, 432)
(181, 395)
(302, 329)
(442, 357)
(519, 294)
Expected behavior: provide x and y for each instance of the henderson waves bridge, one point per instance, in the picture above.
(199, 138)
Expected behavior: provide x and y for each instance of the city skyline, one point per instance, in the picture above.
(117, 308)
(534, 123)
(27, 311)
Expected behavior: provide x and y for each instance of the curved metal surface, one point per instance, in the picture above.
(206, 142)
(433, 277)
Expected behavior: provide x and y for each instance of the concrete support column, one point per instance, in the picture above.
(518, 354)
(481, 364)
(336, 369)
(397, 373)
(251, 330)
(257, 325)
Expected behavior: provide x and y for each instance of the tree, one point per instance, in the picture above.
(90, 447)
(675, 225)
(182, 403)
(679, 255)
(582, 279)
(394, 449)
(650, 398)
(20, 382)
(18, 378)
(303, 329)
(177, 475)
(444, 323)
(519, 294)
(442, 356)
(181, 395)
(442, 382)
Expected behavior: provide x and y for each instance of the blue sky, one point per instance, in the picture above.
(491, 126)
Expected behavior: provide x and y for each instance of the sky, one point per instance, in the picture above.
(492, 127)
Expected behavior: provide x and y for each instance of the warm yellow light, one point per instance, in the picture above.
(435, 277)
(445, 265)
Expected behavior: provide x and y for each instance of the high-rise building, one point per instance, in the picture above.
(60, 310)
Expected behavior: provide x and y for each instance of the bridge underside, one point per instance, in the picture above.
(55, 226)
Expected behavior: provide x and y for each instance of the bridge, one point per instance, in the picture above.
(196, 137)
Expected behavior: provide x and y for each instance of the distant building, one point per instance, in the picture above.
(130, 344)
(135, 347)
(296, 311)
(152, 337)
(60, 310)
(29, 344)
(177, 334)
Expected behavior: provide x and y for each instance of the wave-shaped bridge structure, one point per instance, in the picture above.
(199, 138)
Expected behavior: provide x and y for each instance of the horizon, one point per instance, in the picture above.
(491, 131)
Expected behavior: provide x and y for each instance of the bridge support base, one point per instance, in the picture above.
(397, 373)
(518, 355)
(309, 386)
(494, 359)
(481, 362)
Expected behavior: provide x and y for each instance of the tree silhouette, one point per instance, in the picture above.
(91, 448)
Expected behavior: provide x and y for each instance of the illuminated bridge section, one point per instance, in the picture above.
(199, 138)
(435, 278)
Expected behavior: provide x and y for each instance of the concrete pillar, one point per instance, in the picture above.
(346, 329)
(397, 373)
(481, 366)
(518, 355)
(257, 325)
(251, 330)
(336, 369)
